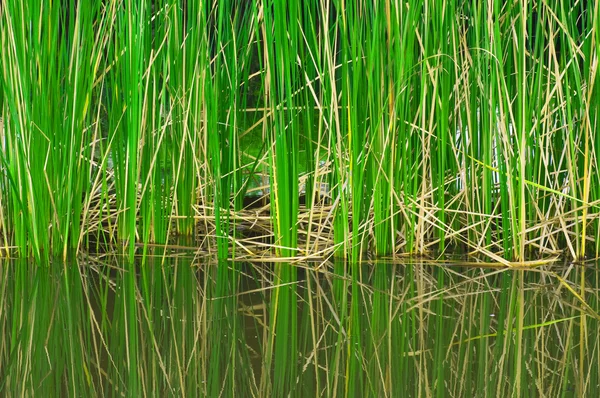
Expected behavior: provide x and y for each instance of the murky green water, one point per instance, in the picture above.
(184, 327)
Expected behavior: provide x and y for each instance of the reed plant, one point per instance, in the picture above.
(413, 127)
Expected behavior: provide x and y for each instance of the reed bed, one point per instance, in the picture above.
(416, 127)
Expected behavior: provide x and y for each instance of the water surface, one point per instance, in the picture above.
(183, 326)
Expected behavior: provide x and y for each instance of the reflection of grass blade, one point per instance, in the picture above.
(201, 330)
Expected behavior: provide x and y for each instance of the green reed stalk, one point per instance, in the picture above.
(48, 74)
(179, 64)
(336, 122)
(17, 132)
(382, 122)
(351, 141)
(156, 182)
(593, 25)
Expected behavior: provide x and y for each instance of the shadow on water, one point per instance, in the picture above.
(227, 329)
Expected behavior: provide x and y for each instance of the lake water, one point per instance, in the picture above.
(183, 326)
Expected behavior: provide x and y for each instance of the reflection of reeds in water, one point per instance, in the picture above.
(435, 125)
(204, 330)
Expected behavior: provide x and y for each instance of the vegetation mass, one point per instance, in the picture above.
(371, 127)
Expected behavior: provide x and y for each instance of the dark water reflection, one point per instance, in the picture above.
(183, 327)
